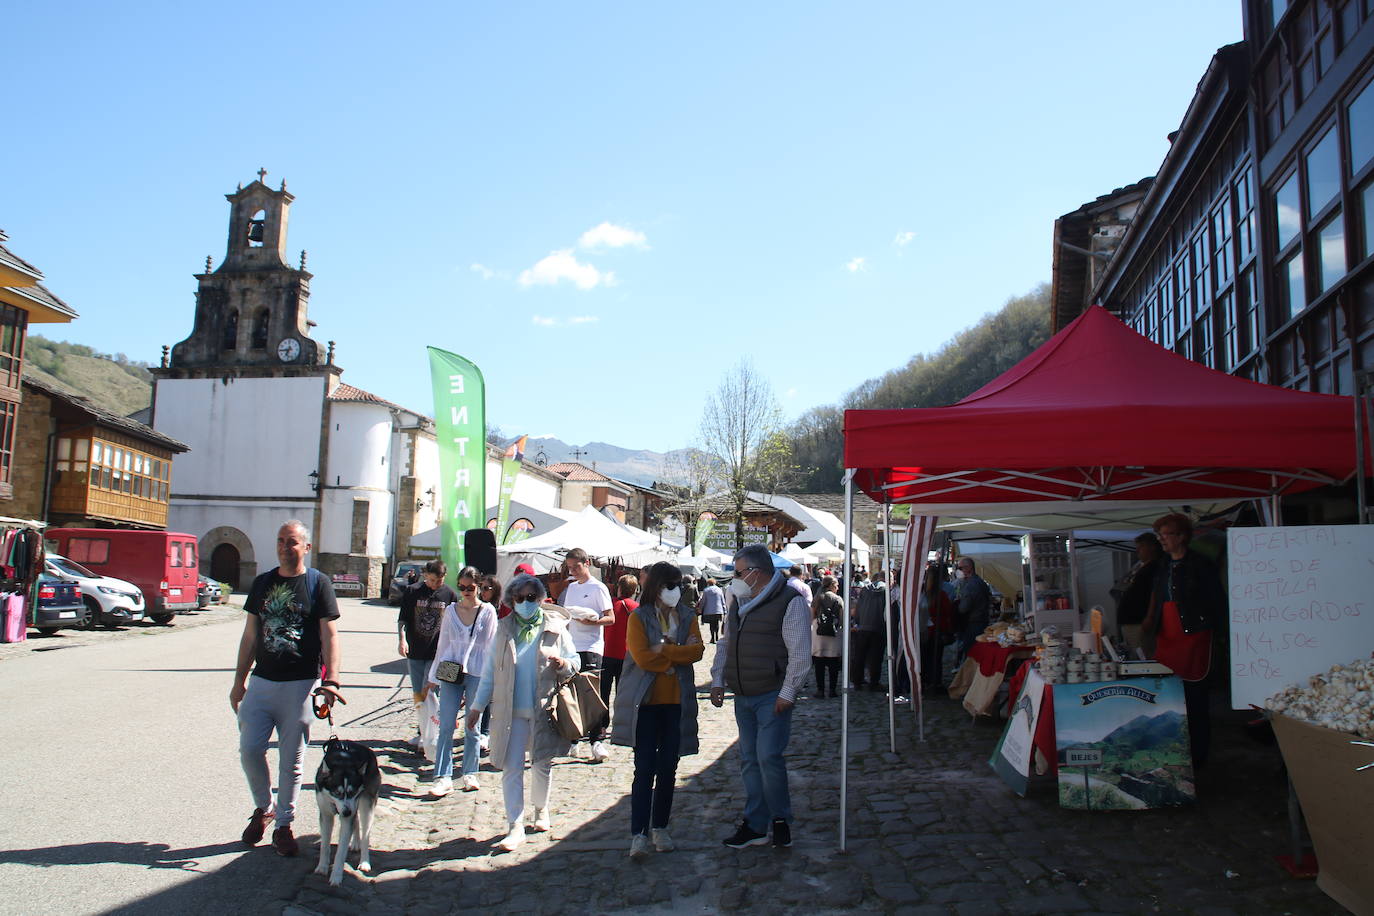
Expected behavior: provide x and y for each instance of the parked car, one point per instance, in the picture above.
(406, 575)
(106, 601)
(208, 592)
(164, 564)
(59, 604)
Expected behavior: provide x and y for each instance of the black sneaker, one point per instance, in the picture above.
(782, 833)
(744, 836)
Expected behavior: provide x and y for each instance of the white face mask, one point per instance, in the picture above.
(959, 574)
(526, 609)
(670, 596)
(740, 589)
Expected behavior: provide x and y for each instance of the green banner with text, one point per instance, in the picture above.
(460, 424)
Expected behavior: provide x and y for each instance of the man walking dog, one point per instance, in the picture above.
(290, 641)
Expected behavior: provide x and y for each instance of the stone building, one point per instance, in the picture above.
(274, 433)
(77, 464)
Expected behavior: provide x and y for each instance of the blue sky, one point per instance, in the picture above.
(604, 205)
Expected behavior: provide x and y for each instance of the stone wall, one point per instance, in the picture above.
(29, 467)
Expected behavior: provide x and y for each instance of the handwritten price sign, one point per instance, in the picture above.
(1301, 600)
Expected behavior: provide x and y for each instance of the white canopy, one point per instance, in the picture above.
(594, 533)
(825, 550)
(797, 554)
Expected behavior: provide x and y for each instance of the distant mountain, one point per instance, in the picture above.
(642, 467)
(1147, 732)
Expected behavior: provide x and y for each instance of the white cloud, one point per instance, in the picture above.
(544, 321)
(904, 239)
(486, 273)
(583, 319)
(609, 235)
(856, 264)
(548, 321)
(560, 265)
(790, 393)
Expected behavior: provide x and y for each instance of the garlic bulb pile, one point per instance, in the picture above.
(1341, 699)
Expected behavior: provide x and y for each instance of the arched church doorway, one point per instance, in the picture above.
(224, 565)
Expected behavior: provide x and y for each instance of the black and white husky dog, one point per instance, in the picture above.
(346, 784)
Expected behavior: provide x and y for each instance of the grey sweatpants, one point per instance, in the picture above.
(283, 706)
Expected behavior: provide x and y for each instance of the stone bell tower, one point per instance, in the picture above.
(251, 312)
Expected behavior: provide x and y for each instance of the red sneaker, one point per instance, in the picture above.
(284, 843)
(257, 826)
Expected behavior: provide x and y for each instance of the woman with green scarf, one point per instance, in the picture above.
(531, 656)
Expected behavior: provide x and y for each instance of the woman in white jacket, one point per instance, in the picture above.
(531, 656)
(465, 635)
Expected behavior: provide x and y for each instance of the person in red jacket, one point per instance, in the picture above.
(613, 661)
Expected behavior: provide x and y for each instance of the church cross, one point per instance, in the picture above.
(262, 173)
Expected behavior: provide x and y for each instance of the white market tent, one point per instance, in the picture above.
(594, 533)
(825, 551)
(819, 525)
(797, 554)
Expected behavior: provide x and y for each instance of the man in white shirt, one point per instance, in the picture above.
(587, 629)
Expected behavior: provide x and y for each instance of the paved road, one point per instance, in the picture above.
(124, 793)
(122, 783)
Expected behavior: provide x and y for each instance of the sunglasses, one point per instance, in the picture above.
(525, 597)
(676, 584)
(467, 588)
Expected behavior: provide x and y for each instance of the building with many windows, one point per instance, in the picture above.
(1252, 251)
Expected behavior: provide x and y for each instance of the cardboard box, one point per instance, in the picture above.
(1338, 805)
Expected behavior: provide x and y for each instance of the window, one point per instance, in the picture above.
(12, 325)
(1286, 214)
(1291, 285)
(188, 555)
(174, 555)
(1367, 208)
(9, 414)
(230, 340)
(1323, 174)
(89, 550)
(1360, 117)
(260, 329)
(1331, 252)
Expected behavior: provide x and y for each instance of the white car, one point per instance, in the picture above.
(107, 601)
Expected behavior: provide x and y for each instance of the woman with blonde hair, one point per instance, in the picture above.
(531, 656)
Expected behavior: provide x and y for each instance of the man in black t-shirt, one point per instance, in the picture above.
(289, 641)
(417, 625)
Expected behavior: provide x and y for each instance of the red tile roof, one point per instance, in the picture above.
(571, 470)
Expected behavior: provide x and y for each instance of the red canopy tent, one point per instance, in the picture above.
(1098, 418)
(1099, 413)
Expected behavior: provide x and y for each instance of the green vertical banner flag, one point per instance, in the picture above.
(706, 523)
(510, 469)
(460, 424)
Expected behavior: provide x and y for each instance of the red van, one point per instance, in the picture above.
(164, 564)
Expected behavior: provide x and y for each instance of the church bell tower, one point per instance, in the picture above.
(251, 312)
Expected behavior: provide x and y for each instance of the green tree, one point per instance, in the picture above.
(738, 426)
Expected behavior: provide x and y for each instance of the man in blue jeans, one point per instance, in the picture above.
(763, 655)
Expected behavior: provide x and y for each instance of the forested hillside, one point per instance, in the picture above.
(114, 382)
(963, 365)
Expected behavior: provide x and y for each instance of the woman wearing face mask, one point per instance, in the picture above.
(656, 703)
(530, 657)
(465, 634)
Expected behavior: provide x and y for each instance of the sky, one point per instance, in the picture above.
(605, 206)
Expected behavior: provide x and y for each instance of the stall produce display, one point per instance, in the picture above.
(1341, 699)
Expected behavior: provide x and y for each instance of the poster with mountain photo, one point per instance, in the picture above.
(1141, 728)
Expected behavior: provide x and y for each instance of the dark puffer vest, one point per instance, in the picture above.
(757, 659)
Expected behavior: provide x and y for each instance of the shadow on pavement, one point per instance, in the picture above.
(152, 855)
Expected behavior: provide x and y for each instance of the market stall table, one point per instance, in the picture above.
(983, 672)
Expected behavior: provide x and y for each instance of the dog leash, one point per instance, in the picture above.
(322, 701)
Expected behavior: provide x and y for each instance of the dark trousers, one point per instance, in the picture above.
(823, 667)
(714, 624)
(867, 658)
(591, 661)
(610, 677)
(903, 676)
(1195, 699)
(658, 741)
(933, 659)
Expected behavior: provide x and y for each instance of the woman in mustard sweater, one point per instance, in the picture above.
(656, 703)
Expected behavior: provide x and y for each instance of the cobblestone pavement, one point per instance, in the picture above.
(931, 830)
(68, 639)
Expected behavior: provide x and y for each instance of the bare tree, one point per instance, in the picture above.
(738, 423)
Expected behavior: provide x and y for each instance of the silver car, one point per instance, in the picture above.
(106, 601)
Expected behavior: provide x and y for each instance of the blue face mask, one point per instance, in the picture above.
(527, 609)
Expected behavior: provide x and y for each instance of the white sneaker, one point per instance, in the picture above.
(639, 847)
(441, 787)
(514, 838)
(541, 820)
(416, 742)
(600, 753)
(470, 783)
(662, 841)
(484, 742)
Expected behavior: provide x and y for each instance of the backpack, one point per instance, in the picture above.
(828, 616)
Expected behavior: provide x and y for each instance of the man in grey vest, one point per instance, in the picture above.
(763, 656)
